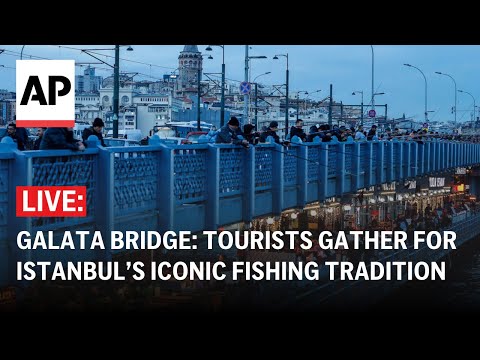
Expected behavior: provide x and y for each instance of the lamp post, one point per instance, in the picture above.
(306, 98)
(246, 97)
(361, 113)
(199, 94)
(116, 81)
(222, 101)
(373, 73)
(256, 95)
(286, 92)
(426, 112)
(466, 92)
(298, 99)
(455, 106)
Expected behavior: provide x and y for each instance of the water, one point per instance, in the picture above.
(459, 292)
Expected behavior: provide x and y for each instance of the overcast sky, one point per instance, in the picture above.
(312, 67)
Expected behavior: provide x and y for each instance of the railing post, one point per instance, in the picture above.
(249, 185)
(323, 171)
(166, 189)
(355, 168)
(277, 176)
(398, 147)
(105, 207)
(420, 159)
(339, 169)
(426, 156)
(302, 177)
(369, 170)
(380, 176)
(213, 187)
(388, 158)
(413, 159)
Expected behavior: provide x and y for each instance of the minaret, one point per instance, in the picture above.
(189, 61)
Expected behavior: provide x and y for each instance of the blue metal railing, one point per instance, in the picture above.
(203, 186)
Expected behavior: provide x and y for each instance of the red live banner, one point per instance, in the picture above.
(51, 201)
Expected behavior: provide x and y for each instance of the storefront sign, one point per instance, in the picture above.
(388, 186)
(460, 171)
(411, 184)
(370, 189)
(436, 182)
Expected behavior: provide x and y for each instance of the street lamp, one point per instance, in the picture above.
(116, 81)
(373, 96)
(466, 92)
(199, 95)
(305, 100)
(222, 102)
(361, 114)
(426, 112)
(246, 97)
(455, 106)
(286, 91)
(256, 93)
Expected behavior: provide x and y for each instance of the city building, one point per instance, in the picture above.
(88, 82)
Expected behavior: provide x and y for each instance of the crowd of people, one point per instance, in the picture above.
(57, 138)
(232, 133)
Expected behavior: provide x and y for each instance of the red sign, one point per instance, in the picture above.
(372, 113)
(53, 201)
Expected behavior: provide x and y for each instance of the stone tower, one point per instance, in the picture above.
(189, 61)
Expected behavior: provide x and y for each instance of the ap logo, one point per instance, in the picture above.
(45, 93)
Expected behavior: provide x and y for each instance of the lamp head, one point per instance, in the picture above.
(438, 72)
(210, 57)
(209, 48)
(275, 57)
(129, 48)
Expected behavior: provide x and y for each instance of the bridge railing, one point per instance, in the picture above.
(203, 186)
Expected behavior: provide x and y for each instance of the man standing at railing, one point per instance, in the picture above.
(229, 133)
(38, 140)
(95, 129)
(12, 133)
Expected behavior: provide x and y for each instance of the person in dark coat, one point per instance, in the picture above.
(250, 135)
(372, 132)
(21, 133)
(38, 140)
(60, 138)
(297, 130)
(95, 129)
(12, 133)
(229, 133)
(272, 131)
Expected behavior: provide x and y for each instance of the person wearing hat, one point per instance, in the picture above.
(229, 133)
(95, 129)
(272, 131)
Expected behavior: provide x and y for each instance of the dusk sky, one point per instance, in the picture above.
(312, 67)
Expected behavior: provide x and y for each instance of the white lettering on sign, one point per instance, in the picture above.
(436, 182)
